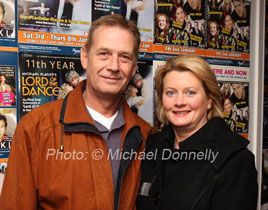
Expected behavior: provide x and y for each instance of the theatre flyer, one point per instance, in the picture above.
(7, 85)
(46, 77)
(141, 12)
(8, 23)
(139, 94)
(56, 22)
(10, 115)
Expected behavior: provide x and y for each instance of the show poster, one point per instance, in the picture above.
(139, 94)
(7, 85)
(58, 22)
(10, 116)
(46, 77)
(235, 104)
(8, 23)
(229, 25)
(141, 12)
(180, 23)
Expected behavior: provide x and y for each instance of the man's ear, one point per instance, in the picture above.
(135, 69)
(84, 57)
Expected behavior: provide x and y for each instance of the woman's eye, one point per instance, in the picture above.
(170, 93)
(191, 92)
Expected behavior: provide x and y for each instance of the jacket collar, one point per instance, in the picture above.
(75, 117)
(214, 135)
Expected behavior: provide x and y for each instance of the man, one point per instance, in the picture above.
(93, 124)
(240, 95)
(195, 9)
(3, 86)
(72, 78)
(241, 13)
(3, 127)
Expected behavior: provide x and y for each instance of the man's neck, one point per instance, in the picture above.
(106, 106)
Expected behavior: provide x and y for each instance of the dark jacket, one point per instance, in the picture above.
(41, 176)
(228, 182)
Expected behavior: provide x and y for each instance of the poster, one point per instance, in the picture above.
(139, 94)
(46, 77)
(141, 12)
(8, 122)
(235, 104)
(56, 22)
(8, 23)
(229, 25)
(180, 23)
(7, 85)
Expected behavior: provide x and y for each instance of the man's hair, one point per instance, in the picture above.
(3, 7)
(202, 70)
(3, 117)
(71, 75)
(115, 20)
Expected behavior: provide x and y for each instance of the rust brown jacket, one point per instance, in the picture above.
(41, 176)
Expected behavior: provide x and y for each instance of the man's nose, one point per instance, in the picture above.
(114, 63)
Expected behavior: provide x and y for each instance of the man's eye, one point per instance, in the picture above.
(103, 53)
(125, 58)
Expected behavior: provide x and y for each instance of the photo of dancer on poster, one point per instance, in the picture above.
(77, 15)
(7, 19)
(139, 94)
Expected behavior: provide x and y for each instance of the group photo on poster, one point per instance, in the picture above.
(180, 22)
(235, 102)
(139, 11)
(8, 122)
(55, 16)
(229, 25)
(7, 20)
(46, 78)
(7, 85)
(139, 94)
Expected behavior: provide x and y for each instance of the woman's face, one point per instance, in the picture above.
(185, 102)
(162, 22)
(180, 16)
(213, 29)
(228, 22)
(227, 106)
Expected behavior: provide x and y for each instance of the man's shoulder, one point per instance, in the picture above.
(44, 116)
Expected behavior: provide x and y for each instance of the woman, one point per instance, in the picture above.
(162, 27)
(179, 18)
(189, 104)
(227, 24)
(213, 35)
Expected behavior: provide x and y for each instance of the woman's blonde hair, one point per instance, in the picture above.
(202, 70)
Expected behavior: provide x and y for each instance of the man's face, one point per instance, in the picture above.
(195, 4)
(238, 90)
(239, 7)
(110, 62)
(1, 15)
(2, 129)
(2, 79)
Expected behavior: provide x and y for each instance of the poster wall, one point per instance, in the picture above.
(40, 42)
